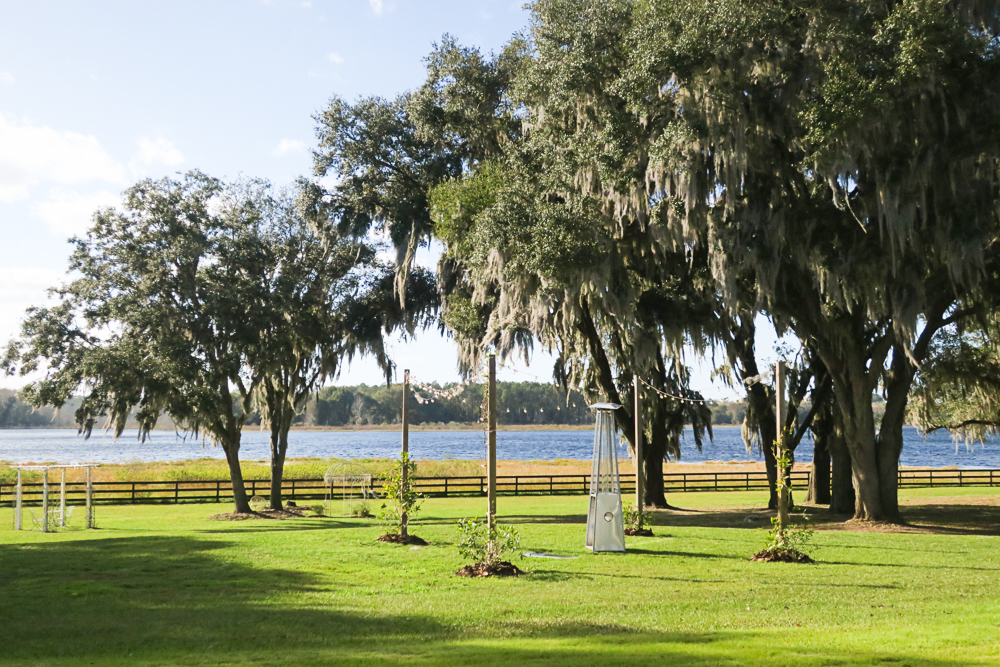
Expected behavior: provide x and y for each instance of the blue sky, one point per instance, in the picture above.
(96, 95)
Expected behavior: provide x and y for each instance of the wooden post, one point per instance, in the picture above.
(779, 413)
(45, 500)
(90, 502)
(491, 440)
(62, 500)
(18, 504)
(639, 472)
(404, 486)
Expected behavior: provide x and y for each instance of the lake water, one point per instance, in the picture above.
(65, 446)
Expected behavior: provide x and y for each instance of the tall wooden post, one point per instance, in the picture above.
(491, 445)
(90, 505)
(62, 500)
(640, 486)
(45, 500)
(404, 487)
(779, 413)
(18, 504)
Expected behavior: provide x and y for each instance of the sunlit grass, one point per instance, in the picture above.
(166, 585)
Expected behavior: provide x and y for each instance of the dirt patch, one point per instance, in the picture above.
(639, 532)
(502, 569)
(781, 556)
(399, 539)
(287, 513)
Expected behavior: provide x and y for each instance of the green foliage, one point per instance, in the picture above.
(635, 518)
(361, 510)
(794, 537)
(400, 499)
(482, 545)
(956, 388)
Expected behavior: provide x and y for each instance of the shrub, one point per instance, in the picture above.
(481, 545)
(635, 518)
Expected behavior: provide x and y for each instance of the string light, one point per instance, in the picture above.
(682, 399)
(436, 393)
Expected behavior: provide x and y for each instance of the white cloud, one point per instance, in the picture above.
(335, 58)
(286, 146)
(158, 151)
(19, 290)
(27, 285)
(6, 77)
(30, 155)
(377, 6)
(69, 212)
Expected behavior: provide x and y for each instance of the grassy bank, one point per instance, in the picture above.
(168, 586)
(314, 468)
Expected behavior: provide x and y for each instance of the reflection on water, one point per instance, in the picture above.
(65, 446)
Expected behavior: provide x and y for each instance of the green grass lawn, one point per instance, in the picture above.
(164, 585)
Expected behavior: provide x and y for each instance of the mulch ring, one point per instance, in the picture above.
(639, 532)
(286, 513)
(781, 556)
(399, 539)
(502, 569)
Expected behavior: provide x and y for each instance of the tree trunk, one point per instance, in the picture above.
(655, 496)
(231, 446)
(280, 426)
(841, 478)
(855, 372)
(819, 474)
(760, 400)
(890, 436)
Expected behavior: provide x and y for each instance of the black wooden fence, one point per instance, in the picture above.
(317, 489)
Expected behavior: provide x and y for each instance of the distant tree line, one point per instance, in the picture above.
(517, 403)
(362, 405)
(15, 413)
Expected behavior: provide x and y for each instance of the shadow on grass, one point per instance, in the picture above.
(941, 519)
(183, 600)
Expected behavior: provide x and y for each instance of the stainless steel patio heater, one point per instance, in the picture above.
(605, 524)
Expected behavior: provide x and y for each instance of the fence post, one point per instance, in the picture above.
(445, 487)
(90, 500)
(218, 492)
(133, 493)
(177, 492)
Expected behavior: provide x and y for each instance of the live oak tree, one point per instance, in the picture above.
(326, 298)
(459, 140)
(841, 157)
(154, 318)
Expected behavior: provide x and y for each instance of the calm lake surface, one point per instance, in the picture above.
(65, 446)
